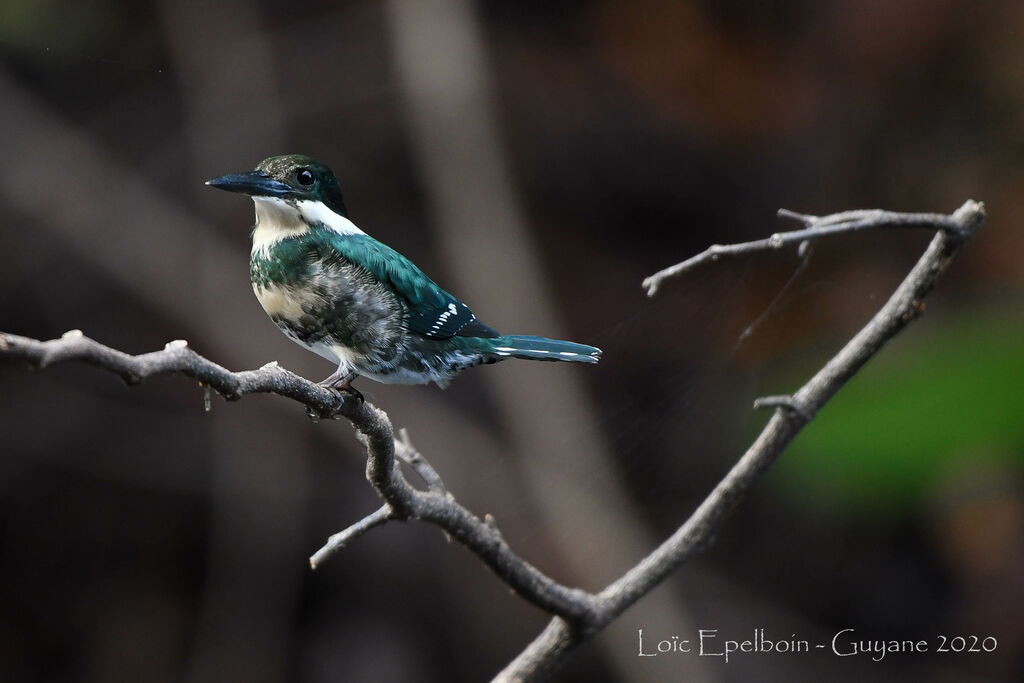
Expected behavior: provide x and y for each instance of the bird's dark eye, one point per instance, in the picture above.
(304, 176)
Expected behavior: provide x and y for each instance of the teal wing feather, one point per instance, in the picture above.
(432, 312)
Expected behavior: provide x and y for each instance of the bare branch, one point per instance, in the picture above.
(408, 454)
(176, 357)
(434, 505)
(792, 413)
(786, 402)
(817, 227)
(384, 514)
(578, 614)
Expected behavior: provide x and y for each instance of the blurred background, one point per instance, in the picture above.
(539, 160)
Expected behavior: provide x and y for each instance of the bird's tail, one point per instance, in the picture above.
(538, 348)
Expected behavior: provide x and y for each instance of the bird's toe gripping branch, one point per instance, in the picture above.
(341, 380)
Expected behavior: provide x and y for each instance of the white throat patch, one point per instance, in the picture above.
(317, 212)
(277, 219)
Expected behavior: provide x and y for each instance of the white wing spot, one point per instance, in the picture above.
(503, 348)
(567, 353)
(441, 319)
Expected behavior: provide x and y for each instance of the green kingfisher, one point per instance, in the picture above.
(340, 293)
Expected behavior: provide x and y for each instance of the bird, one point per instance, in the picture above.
(355, 301)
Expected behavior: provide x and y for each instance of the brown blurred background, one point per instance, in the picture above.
(538, 159)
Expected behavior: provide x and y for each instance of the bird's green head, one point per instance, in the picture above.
(290, 176)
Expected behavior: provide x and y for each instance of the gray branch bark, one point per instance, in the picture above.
(792, 413)
(578, 615)
(374, 428)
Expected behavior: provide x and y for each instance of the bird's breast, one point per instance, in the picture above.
(282, 301)
(329, 305)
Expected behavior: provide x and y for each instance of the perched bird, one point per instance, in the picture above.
(355, 301)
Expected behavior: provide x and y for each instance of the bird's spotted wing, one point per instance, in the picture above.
(433, 312)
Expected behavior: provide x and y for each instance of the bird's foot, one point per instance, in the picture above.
(338, 392)
(342, 381)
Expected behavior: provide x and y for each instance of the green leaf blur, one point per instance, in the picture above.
(930, 403)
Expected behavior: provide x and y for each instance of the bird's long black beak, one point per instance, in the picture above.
(254, 183)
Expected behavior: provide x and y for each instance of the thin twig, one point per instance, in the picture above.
(384, 514)
(818, 227)
(408, 454)
(792, 413)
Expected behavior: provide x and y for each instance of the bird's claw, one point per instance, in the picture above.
(339, 394)
(339, 387)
